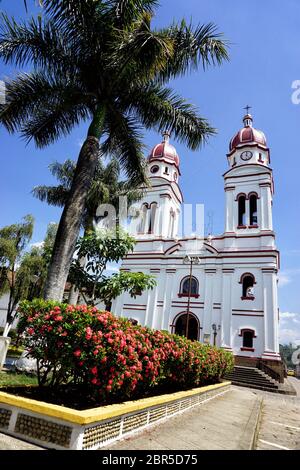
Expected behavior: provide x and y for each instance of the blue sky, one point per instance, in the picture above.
(264, 61)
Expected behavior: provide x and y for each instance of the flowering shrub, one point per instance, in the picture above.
(109, 355)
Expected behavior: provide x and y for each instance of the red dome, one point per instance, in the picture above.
(164, 151)
(247, 135)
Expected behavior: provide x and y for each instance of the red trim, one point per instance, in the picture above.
(247, 298)
(241, 310)
(170, 185)
(247, 315)
(195, 296)
(253, 226)
(269, 172)
(247, 275)
(247, 330)
(187, 278)
(240, 195)
(241, 226)
(247, 349)
(253, 193)
(190, 314)
(249, 144)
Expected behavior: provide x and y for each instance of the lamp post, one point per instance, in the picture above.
(215, 328)
(189, 260)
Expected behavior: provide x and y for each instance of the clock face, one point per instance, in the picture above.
(246, 155)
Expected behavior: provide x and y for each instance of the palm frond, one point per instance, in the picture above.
(43, 120)
(193, 46)
(162, 107)
(53, 195)
(125, 143)
(64, 172)
(37, 42)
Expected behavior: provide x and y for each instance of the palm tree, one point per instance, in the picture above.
(100, 62)
(106, 188)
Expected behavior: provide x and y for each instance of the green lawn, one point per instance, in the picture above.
(14, 379)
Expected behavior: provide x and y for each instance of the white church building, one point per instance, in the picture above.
(218, 289)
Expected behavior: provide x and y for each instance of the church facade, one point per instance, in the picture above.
(218, 289)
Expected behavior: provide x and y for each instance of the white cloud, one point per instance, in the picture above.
(288, 315)
(287, 276)
(283, 279)
(289, 328)
(37, 244)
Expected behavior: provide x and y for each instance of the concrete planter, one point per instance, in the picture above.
(58, 427)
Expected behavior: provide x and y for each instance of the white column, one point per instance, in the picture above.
(247, 220)
(208, 303)
(151, 319)
(167, 290)
(164, 215)
(226, 314)
(229, 209)
(266, 208)
(270, 313)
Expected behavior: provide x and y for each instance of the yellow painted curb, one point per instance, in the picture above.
(101, 413)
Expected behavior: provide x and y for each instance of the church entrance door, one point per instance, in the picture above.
(193, 329)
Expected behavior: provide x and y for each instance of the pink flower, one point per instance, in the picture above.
(94, 381)
(59, 318)
(94, 370)
(77, 353)
(30, 331)
(88, 333)
(95, 352)
(65, 333)
(108, 388)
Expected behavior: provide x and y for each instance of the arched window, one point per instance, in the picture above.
(143, 218)
(247, 281)
(242, 210)
(188, 286)
(153, 208)
(253, 209)
(247, 339)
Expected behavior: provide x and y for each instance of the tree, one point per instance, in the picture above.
(100, 61)
(13, 241)
(106, 188)
(99, 248)
(32, 273)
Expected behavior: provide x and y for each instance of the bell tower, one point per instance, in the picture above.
(160, 207)
(248, 183)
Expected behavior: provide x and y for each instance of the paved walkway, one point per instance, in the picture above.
(10, 443)
(226, 422)
(280, 421)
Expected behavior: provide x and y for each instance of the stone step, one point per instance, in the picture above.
(255, 386)
(252, 377)
(256, 382)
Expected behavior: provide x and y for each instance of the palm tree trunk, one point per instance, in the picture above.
(74, 292)
(69, 226)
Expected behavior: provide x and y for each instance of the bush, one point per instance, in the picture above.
(110, 355)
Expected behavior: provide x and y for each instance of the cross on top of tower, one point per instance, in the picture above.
(247, 108)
